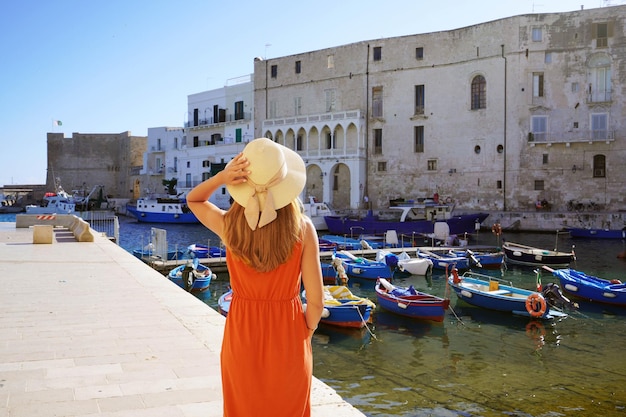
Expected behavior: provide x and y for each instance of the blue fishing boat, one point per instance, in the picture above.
(590, 288)
(344, 309)
(223, 303)
(206, 251)
(406, 218)
(363, 271)
(409, 302)
(192, 276)
(486, 292)
(347, 243)
(597, 233)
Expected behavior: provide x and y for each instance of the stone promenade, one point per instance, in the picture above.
(86, 329)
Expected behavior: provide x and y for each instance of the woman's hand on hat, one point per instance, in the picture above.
(236, 170)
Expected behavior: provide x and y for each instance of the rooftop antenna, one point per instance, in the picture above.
(534, 5)
(267, 45)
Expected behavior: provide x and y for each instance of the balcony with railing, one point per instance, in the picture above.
(223, 119)
(348, 145)
(589, 136)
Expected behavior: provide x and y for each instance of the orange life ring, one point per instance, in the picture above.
(496, 229)
(536, 305)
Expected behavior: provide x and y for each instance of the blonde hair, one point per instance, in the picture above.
(269, 246)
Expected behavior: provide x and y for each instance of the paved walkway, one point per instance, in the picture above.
(86, 329)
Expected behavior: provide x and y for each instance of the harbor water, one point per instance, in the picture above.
(476, 362)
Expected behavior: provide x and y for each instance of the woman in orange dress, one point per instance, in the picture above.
(271, 250)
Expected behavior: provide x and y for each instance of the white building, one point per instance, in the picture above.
(218, 127)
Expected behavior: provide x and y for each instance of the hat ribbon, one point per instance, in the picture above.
(253, 209)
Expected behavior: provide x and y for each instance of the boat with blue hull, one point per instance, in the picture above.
(162, 210)
(192, 276)
(486, 292)
(409, 302)
(590, 288)
(591, 233)
(406, 220)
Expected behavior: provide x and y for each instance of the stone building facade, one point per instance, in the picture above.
(495, 116)
(87, 160)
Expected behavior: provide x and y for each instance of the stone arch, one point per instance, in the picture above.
(290, 140)
(352, 137)
(340, 185)
(340, 139)
(314, 185)
(279, 137)
(314, 139)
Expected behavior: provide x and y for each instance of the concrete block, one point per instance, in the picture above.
(42, 233)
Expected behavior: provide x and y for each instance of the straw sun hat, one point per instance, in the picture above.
(277, 177)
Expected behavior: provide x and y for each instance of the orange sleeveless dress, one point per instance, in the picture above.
(266, 357)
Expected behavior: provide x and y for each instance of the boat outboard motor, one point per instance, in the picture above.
(554, 296)
(188, 277)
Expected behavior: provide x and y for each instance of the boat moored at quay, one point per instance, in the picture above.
(406, 218)
(162, 210)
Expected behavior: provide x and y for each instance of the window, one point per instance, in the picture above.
(537, 34)
(297, 104)
(206, 176)
(378, 53)
(599, 125)
(377, 102)
(196, 141)
(418, 133)
(545, 159)
(188, 178)
(537, 84)
(239, 110)
(299, 143)
(419, 99)
(274, 71)
(431, 165)
(298, 67)
(330, 100)
(419, 53)
(499, 184)
(538, 128)
(575, 87)
(477, 149)
(479, 93)
(539, 185)
(599, 79)
(330, 61)
(602, 35)
(599, 166)
(206, 164)
(548, 58)
(378, 141)
(381, 166)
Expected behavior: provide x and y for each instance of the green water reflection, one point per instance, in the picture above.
(483, 363)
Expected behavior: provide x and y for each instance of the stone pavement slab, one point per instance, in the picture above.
(87, 329)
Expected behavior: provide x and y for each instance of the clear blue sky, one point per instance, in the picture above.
(110, 66)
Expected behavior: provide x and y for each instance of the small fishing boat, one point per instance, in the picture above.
(590, 288)
(206, 251)
(486, 292)
(192, 276)
(516, 253)
(223, 303)
(597, 233)
(361, 270)
(443, 258)
(344, 309)
(409, 302)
